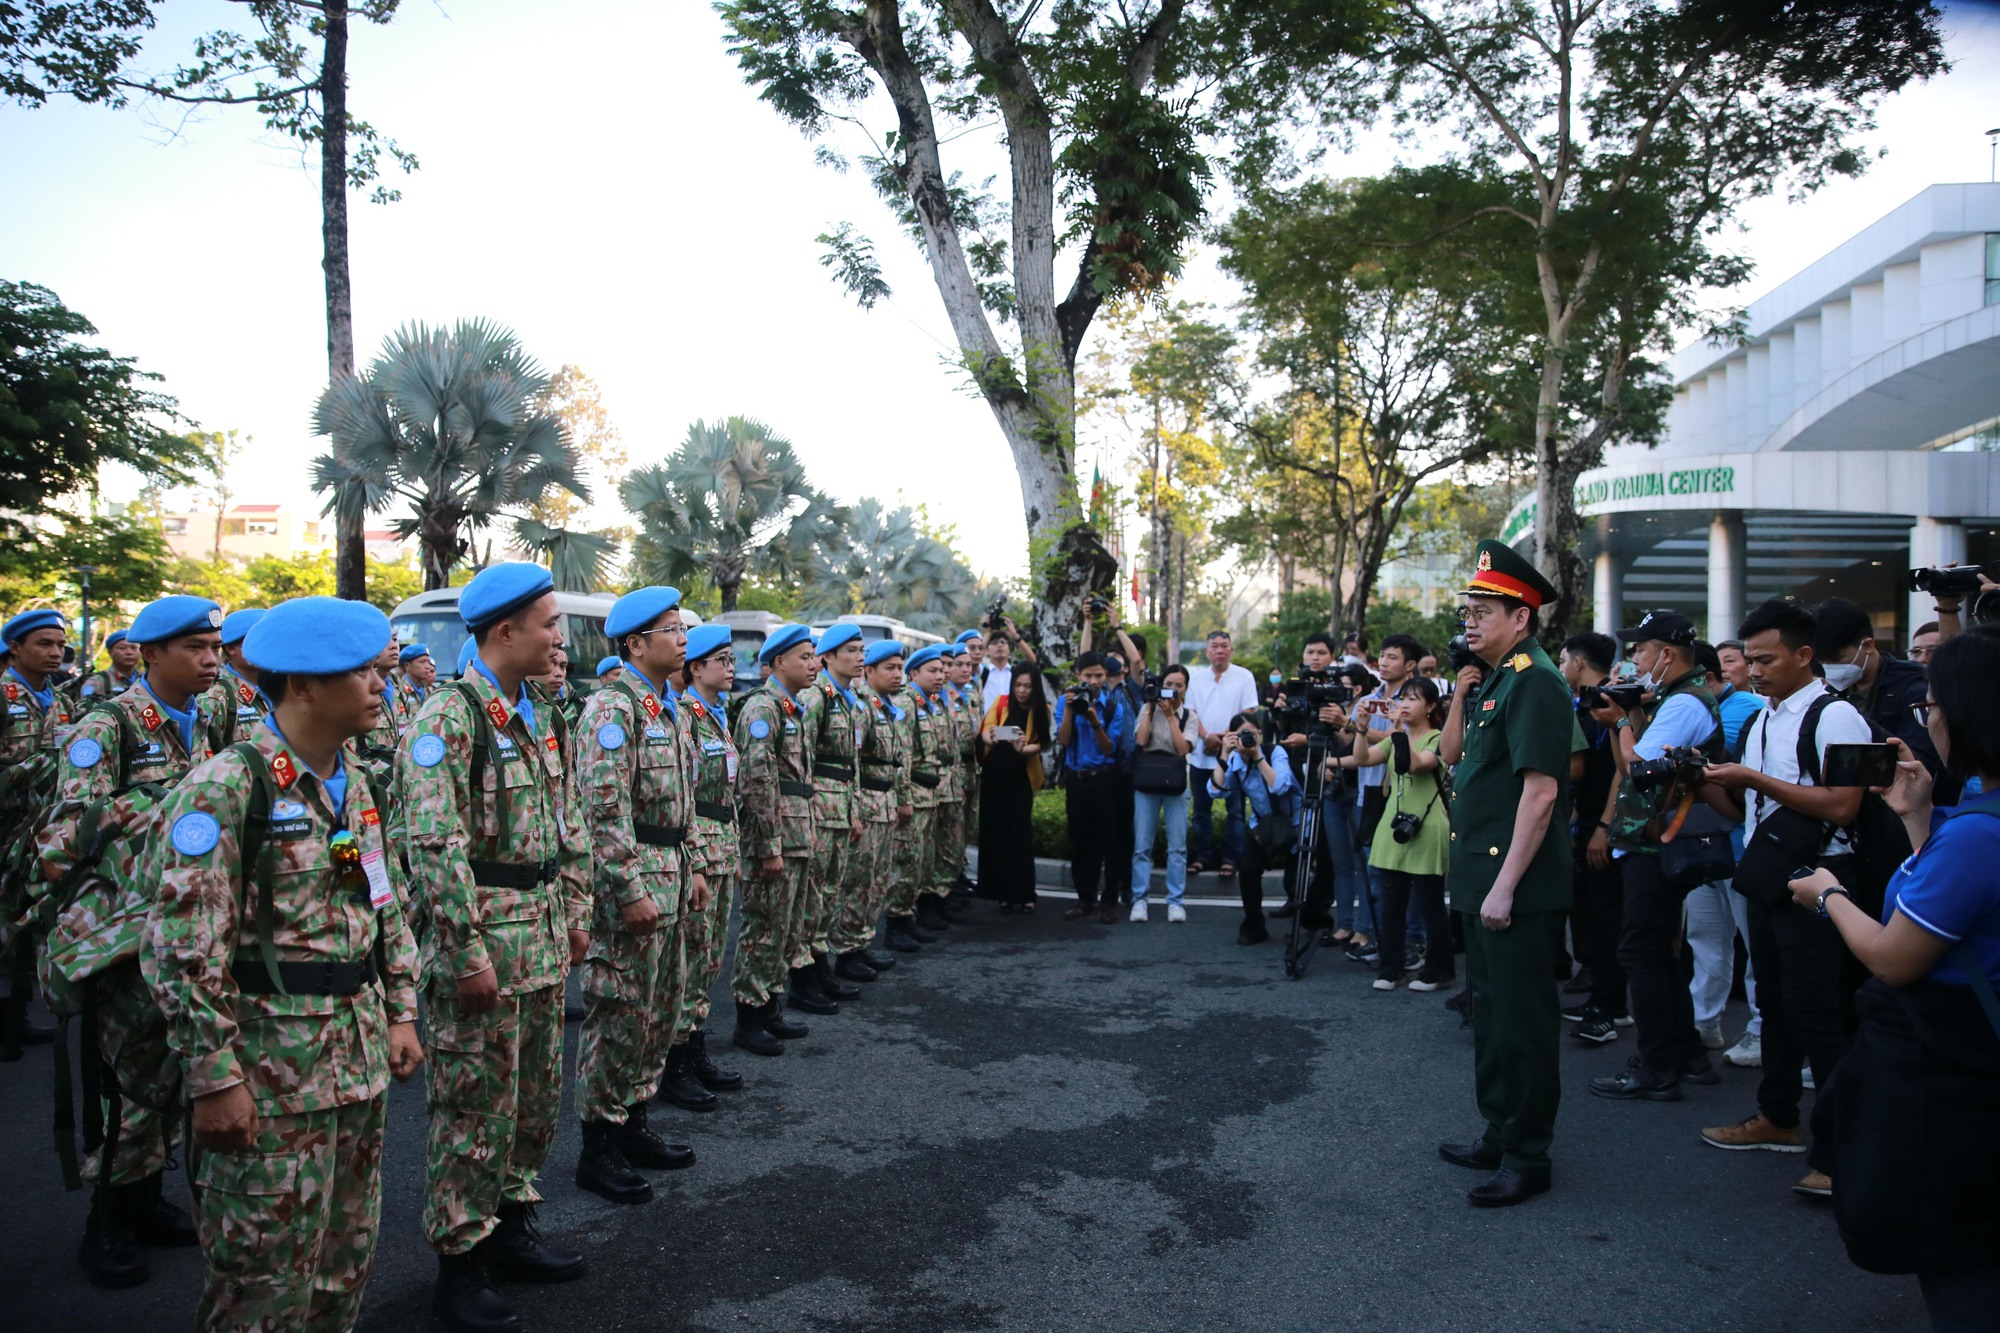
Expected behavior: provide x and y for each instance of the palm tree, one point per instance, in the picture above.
(890, 566)
(445, 419)
(731, 502)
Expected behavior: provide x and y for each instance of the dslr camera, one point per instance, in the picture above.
(1405, 826)
(1458, 655)
(1961, 581)
(1154, 693)
(1683, 763)
(1625, 694)
(1248, 740)
(996, 612)
(1097, 604)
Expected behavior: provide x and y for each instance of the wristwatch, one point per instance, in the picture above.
(1621, 724)
(1828, 893)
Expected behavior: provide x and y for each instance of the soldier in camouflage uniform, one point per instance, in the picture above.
(837, 722)
(974, 704)
(692, 1079)
(36, 710)
(774, 791)
(500, 884)
(120, 676)
(378, 747)
(235, 701)
(97, 884)
(961, 700)
(412, 679)
(925, 741)
(884, 796)
(634, 772)
(279, 952)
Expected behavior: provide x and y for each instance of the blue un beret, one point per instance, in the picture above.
(638, 609)
(928, 653)
(411, 653)
(834, 635)
(782, 638)
(951, 650)
(21, 626)
(705, 639)
(171, 617)
(498, 591)
(967, 636)
(238, 623)
(116, 637)
(465, 656)
(316, 636)
(882, 650)
(605, 664)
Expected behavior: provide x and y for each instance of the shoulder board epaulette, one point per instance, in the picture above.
(1522, 661)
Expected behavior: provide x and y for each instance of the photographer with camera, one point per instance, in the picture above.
(995, 674)
(1656, 825)
(1791, 820)
(1414, 842)
(1716, 913)
(1090, 728)
(1159, 780)
(1260, 779)
(1373, 710)
(1957, 590)
(1599, 911)
(1312, 706)
(1883, 689)
(1131, 648)
(1118, 848)
(1217, 692)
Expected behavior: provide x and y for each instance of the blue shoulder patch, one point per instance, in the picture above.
(428, 750)
(759, 728)
(85, 753)
(195, 833)
(611, 735)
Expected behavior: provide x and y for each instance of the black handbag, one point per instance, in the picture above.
(1158, 773)
(1701, 852)
(1786, 841)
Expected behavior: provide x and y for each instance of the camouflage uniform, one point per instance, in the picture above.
(837, 721)
(115, 749)
(634, 772)
(27, 728)
(774, 787)
(925, 741)
(712, 850)
(28, 732)
(498, 878)
(949, 838)
(378, 747)
(238, 705)
(884, 785)
(105, 685)
(974, 718)
(288, 1228)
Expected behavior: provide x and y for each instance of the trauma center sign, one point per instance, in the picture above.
(1593, 491)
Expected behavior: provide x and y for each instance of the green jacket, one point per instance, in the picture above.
(1520, 720)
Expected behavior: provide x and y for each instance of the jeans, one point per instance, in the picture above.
(1403, 893)
(1147, 812)
(1089, 806)
(1202, 843)
(1658, 967)
(1808, 1011)
(1716, 915)
(1352, 908)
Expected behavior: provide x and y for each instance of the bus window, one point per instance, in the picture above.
(584, 639)
(440, 631)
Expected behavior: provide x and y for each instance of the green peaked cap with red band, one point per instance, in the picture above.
(1501, 571)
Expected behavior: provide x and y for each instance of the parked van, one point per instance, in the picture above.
(431, 618)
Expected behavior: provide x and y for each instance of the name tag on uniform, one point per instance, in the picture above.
(290, 821)
(506, 747)
(150, 753)
(17, 710)
(376, 867)
(791, 727)
(656, 735)
(711, 747)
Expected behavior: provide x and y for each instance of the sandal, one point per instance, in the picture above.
(1196, 867)
(1226, 870)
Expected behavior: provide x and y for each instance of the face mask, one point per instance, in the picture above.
(1842, 676)
(1277, 677)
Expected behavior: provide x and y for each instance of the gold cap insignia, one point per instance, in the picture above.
(1485, 562)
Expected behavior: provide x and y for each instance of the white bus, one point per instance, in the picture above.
(431, 618)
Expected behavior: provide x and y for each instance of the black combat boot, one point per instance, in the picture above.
(751, 1032)
(712, 1076)
(602, 1169)
(108, 1254)
(779, 1026)
(901, 935)
(831, 985)
(464, 1296)
(805, 993)
(152, 1217)
(642, 1147)
(853, 967)
(931, 915)
(679, 1086)
(879, 959)
(516, 1252)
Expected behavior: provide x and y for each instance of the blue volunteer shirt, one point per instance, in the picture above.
(1084, 754)
(1947, 887)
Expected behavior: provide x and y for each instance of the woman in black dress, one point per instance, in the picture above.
(1010, 754)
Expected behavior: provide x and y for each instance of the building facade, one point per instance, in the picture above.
(1852, 435)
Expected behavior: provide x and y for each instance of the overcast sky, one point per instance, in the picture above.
(597, 176)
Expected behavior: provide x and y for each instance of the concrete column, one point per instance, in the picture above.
(1933, 542)
(1725, 575)
(1609, 592)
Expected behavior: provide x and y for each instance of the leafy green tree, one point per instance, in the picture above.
(732, 503)
(275, 578)
(223, 581)
(444, 420)
(391, 582)
(72, 47)
(68, 408)
(888, 565)
(126, 554)
(1111, 116)
(1433, 631)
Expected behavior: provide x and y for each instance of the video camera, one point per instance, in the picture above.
(1625, 694)
(1154, 693)
(1961, 581)
(1683, 763)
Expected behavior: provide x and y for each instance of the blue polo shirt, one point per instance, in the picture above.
(1084, 754)
(1948, 888)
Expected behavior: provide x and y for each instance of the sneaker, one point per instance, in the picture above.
(1420, 985)
(1577, 1013)
(1175, 912)
(1637, 1083)
(1711, 1034)
(1816, 1183)
(1596, 1026)
(1363, 953)
(1139, 912)
(1413, 960)
(1747, 1053)
(1754, 1133)
(1383, 983)
(1805, 1077)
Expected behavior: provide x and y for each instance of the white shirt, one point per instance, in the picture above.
(994, 682)
(1215, 701)
(1773, 749)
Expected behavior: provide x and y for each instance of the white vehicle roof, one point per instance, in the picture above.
(431, 618)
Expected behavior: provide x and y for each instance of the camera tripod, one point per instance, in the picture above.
(1303, 941)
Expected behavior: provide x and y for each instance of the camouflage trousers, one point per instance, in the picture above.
(769, 906)
(495, 1090)
(910, 859)
(867, 889)
(704, 936)
(948, 842)
(819, 906)
(632, 993)
(132, 1035)
(288, 1228)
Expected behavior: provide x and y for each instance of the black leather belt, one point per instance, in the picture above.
(512, 874)
(716, 810)
(794, 788)
(877, 784)
(1092, 772)
(836, 772)
(928, 781)
(658, 835)
(323, 978)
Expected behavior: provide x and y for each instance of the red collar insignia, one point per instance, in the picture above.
(282, 770)
(151, 717)
(245, 693)
(790, 707)
(549, 743)
(652, 706)
(694, 702)
(13, 691)
(497, 711)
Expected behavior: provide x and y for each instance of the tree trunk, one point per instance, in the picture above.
(350, 564)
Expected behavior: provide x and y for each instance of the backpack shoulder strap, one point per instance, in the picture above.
(1809, 736)
(253, 841)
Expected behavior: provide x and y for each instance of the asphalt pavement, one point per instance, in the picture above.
(1039, 1124)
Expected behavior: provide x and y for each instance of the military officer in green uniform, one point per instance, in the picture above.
(1510, 732)
(839, 723)
(279, 953)
(235, 701)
